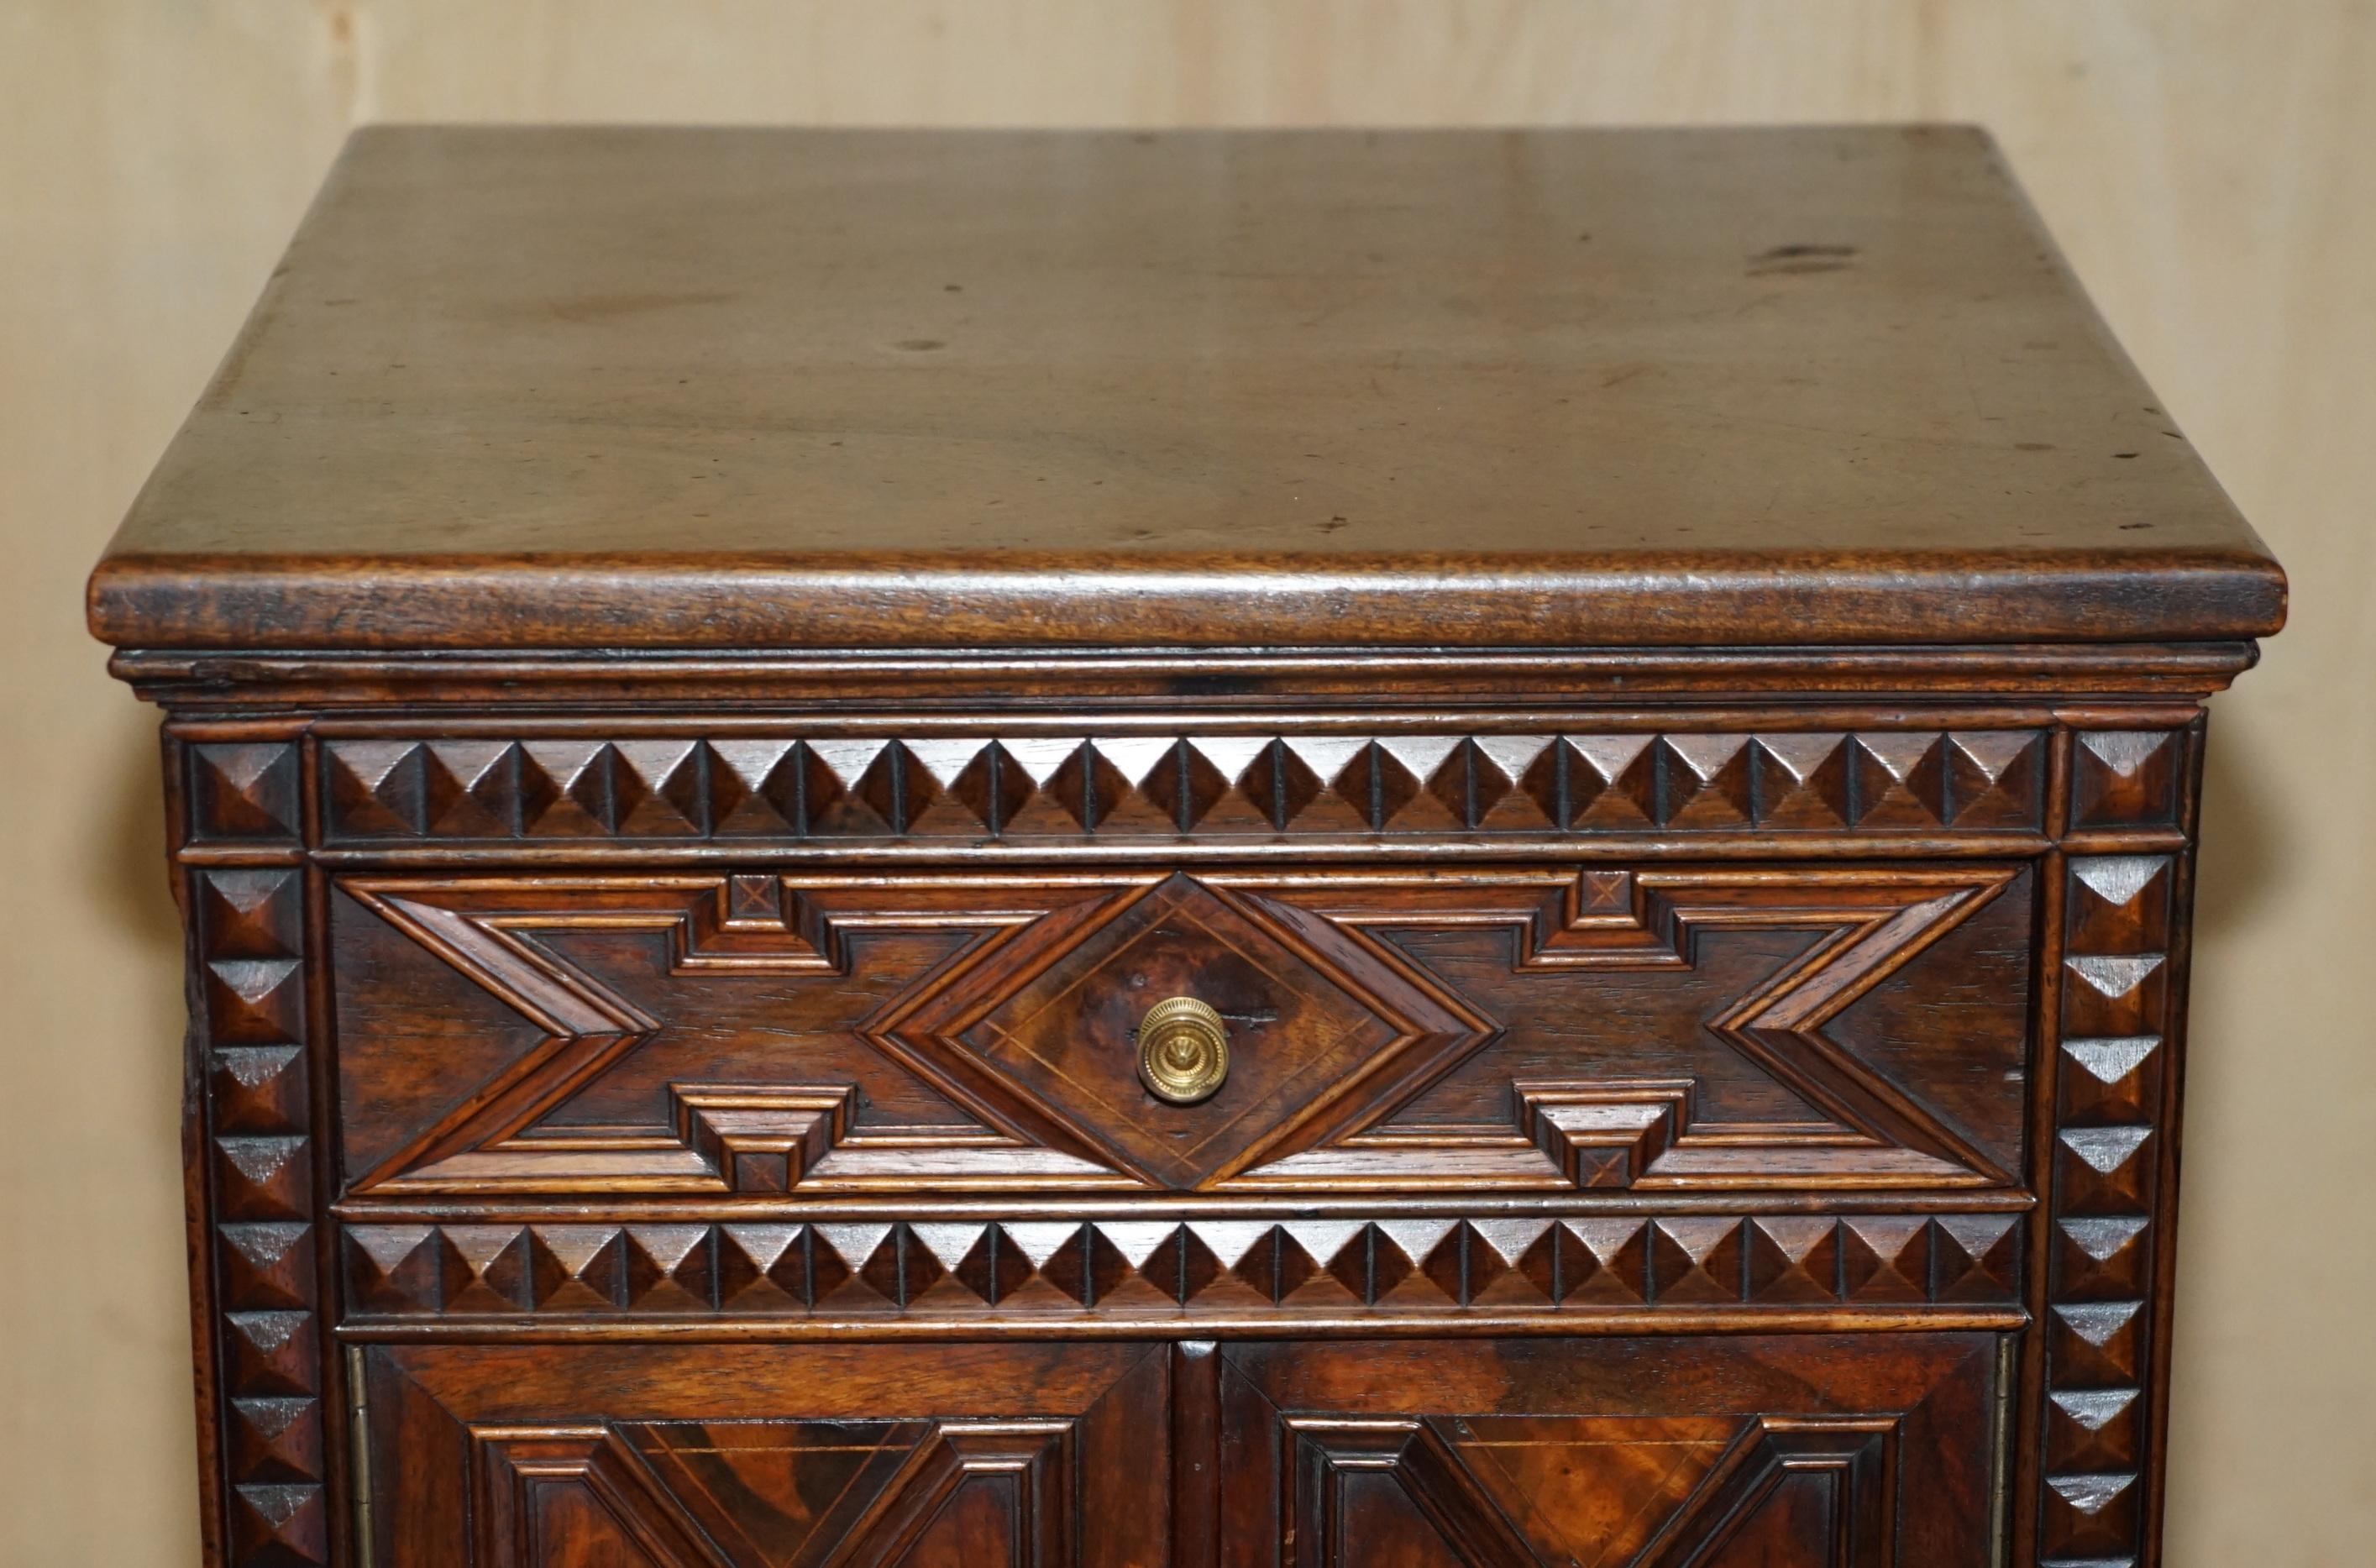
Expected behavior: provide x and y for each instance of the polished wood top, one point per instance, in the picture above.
(597, 387)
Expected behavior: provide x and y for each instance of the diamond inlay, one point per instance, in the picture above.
(1310, 1015)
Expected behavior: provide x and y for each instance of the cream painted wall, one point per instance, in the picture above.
(2209, 164)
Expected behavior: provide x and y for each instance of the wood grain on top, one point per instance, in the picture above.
(708, 389)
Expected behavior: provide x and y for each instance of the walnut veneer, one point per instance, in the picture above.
(1646, 685)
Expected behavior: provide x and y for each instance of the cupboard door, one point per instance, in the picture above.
(823, 1456)
(1825, 1451)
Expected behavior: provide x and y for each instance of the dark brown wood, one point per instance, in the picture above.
(939, 1457)
(664, 1066)
(1804, 1453)
(718, 388)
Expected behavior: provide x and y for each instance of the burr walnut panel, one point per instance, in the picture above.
(1027, 1458)
(1815, 1451)
(1654, 1028)
(1753, 1452)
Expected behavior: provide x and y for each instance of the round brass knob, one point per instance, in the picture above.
(1183, 1051)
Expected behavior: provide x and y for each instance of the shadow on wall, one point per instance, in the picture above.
(135, 887)
(2239, 874)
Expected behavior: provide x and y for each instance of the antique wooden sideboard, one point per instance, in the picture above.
(1450, 847)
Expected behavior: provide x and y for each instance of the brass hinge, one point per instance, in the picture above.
(359, 1448)
(2001, 1452)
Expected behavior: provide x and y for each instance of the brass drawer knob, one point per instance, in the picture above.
(1183, 1051)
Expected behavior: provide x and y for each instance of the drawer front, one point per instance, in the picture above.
(1653, 1027)
(940, 1456)
(1738, 1452)
(1810, 1453)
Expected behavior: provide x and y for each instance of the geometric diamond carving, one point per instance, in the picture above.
(243, 793)
(2105, 1150)
(1023, 787)
(273, 1524)
(2126, 778)
(247, 933)
(2094, 1409)
(2118, 879)
(2103, 1188)
(2090, 1494)
(2109, 1061)
(959, 1269)
(2114, 977)
(1333, 1030)
(1315, 1016)
(1902, 781)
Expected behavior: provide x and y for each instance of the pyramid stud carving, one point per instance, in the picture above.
(1613, 781)
(1994, 778)
(2126, 778)
(948, 786)
(375, 787)
(1514, 783)
(2110, 1079)
(2101, 1259)
(2109, 1061)
(467, 787)
(1046, 787)
(1793, 1259)
(2104, 1149)
(1424, 783)
(2095, 1344)
(2119, 879)
(1604, 1262)
(258, 1088)
(276, 1525)
(2092, 1429)
(271, 1353)
(1511, 1260)
(2094, 1409)
(958, 1268)
(662, 787)
(1707, 780)
(254, 1001)
(2089, 1513)
(249, 914)
(1698, 1260)
(395, 1268)
(2115, 976)
(578, 1267)
(263, 1177)
(2120, 904)
(1139, 785)
(1976, 1257)
(1315, 784)
(564, 789)
(1885, 1258)
(857, 1265)
(277, 1438)
(849, 789)
(754, 789)
(762, 1268)
(1901, 781)
(1029, 787)
(267, 1263)
(1801, 781)
(1225, 783)
(244, 792)
(495, 1272)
